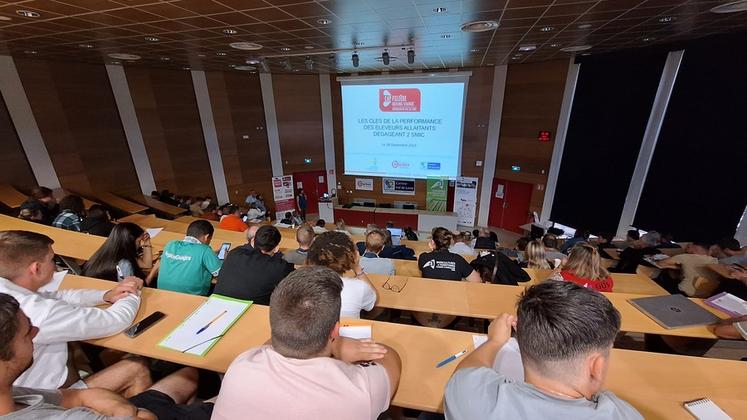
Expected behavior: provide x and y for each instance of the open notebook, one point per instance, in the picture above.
(206, 325)
(705, 409)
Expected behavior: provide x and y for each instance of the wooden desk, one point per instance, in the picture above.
(66, 242)
(60, 193)
(11, 197)
(614, 253)
(190, 219)
(656, 384)
(120, 203)
(159, 206)
(486, 301)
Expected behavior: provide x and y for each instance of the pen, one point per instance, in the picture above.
(451, 358)
(211, 322)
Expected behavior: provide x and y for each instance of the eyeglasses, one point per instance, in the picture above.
(396, 288)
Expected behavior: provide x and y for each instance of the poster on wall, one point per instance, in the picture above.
(400, 186)
(364, 184)
(465, 200)
(282, 192)
(435, 196)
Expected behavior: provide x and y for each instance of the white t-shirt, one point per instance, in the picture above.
(357, 295)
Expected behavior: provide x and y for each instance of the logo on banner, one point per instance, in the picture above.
(397, 164)
(399, 100)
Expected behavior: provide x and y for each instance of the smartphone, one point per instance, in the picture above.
(143, 325)
(223, 250)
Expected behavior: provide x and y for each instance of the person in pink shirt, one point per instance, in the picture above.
(309, 371)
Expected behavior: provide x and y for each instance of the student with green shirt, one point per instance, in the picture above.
(188, 266)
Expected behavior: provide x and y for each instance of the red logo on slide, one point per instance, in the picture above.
(399, 100)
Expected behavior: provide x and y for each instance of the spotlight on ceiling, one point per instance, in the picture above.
(356, 60)
(309, 63)
(385, 57)
(410, 56)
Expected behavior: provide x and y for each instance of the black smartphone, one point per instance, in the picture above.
(143, 325)
(223, 250)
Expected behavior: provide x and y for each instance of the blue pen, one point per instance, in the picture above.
(451, 358)
(211, 322)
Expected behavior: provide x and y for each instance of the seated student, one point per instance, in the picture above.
(565, 334)
(584, 267)
(253, 271)
(26, 265)
(287, 218)
(97, 221)
(667, 241)
(691, 274)
(304, 237)
(189, 265)
(32, 211)
(550, 242)
(125, 253)
(71, 213)
(231, 219)
(253, 213)
(309, 371)
(195, 208)
(462, 244)
(361, 245)
(335, 250)
(319, 227)
(370, 261)
(410, 234)
(46, 202)
(731, 252)
(442, 264)
(16, 354)
(633, 255)
(605, 242)
(340, 227)
(535, 256)
(260, 204)
(495, 267)
(581, 235)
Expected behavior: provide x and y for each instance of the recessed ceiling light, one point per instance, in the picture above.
(323, 21)
(527, 48)
(221, 54)
(555, 45)
(576, 48)
(516, 58)
(308, 47)
(546, 28)
(479, 26)
(5, 18)
(230, 31)
(28, 13)
(440, 10)
(586, 54)
(122, 56)
(186, 68)
(151, 38)
(667, 19)
(165, 58)
(585, 26)
(246, 46)
(445, 36)
(649, 39)
(733, 7)
(253, 61)
(284, 49)
(295, 69)
(201, 55)
(232, 65)
(245, 68)
(114, 62)
(30, 52)
(85, 45)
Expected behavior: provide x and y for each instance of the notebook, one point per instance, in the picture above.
(673, 311)
(728, 303)
(705, 409)
(204, 327)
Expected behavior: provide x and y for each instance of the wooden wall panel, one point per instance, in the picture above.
(78, 119)
(170, 123)
(236, 99)
(16, 169)
(534, 93)
(298, 109)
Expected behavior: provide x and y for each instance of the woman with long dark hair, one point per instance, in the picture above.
(125, 253)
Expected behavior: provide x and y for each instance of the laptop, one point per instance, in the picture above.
(674, 311)
(396, 235)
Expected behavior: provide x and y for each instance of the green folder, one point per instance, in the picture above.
(204, 327)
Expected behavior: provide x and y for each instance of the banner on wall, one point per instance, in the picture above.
(400, 186)
(364, 184)
(465, 200)
(435, 196)
(282, 192)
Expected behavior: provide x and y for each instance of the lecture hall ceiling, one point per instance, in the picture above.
(321, 35)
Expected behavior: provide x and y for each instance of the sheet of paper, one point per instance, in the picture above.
(54, 285)
(358, 332)
(508, 361)
(153, 232)
(479, 340)
(218, 314)
(732, 303)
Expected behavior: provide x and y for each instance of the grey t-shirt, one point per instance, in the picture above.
(483, 393)
(44, 405)
(375, 265)
(295, 256)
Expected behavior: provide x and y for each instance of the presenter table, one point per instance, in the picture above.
(120, 203)
(11, 197)
(656, 384)
(421, 220)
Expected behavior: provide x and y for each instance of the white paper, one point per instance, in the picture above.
(153, 232)
(732, 303)
(479, 340)
(358, 332)
(508, 361)
(54, 284)
(185, 337)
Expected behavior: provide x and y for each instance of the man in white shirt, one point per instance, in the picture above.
(26, 265)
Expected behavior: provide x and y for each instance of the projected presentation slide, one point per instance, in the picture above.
(403, 130)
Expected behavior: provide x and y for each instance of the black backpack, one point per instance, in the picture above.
(506, 271)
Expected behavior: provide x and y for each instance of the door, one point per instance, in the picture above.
(314, 184)
(509, 204)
